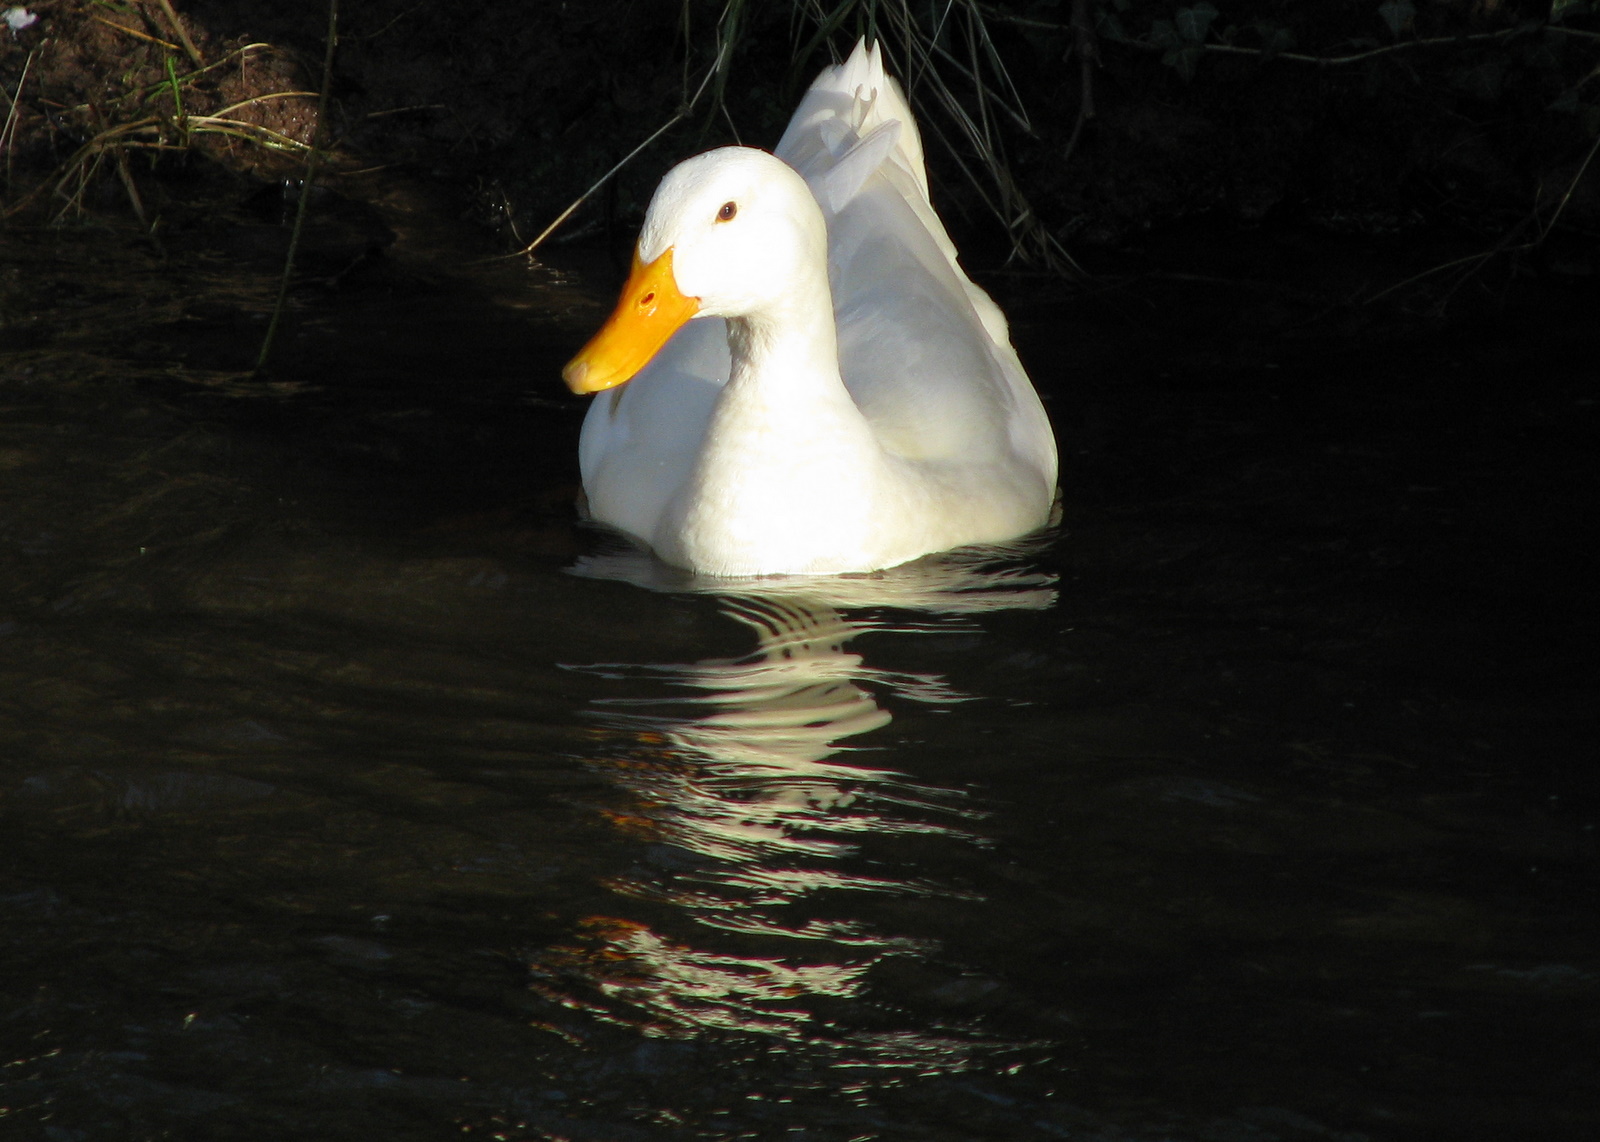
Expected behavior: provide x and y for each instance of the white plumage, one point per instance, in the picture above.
(843, 398)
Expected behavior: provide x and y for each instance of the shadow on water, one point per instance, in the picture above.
(350, 789)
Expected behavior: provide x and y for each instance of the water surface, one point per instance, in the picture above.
(350, 788)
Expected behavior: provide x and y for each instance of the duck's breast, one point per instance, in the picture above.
(640, 442)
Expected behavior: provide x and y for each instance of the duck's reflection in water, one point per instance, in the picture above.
(743, 786)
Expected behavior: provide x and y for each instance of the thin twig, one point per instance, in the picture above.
(1504, 245)
(1088, 53)
(128, 185)
(682, 113)
(601, 181)
(1572, 186)
(85, 176)
(1301, 57)
(999, 64)
(305, 187)
(1029, 238)
(1357, 57)
(1475, 259)
(403, 110)
(1018, 114)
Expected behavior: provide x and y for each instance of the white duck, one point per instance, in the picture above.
(815, 385)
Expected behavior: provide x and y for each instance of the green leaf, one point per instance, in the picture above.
(1109, 27)
(1483, 81)
(1275, 38)
(1537, 54)
(1193, 23)
(1561, 9)
(1398, 14)
(1163, 34)
(1566, 102)
(1184, 59)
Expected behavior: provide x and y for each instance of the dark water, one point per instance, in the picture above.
(350, 789)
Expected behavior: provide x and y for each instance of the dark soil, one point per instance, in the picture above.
(518, 108)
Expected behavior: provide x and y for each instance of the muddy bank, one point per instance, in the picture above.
(1473, 118)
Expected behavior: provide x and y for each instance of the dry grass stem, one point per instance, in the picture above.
(183, 33)
(724, 50)
(136, 34)
(8, 134)
(306, 187)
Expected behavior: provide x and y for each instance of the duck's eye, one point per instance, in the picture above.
(729, 209)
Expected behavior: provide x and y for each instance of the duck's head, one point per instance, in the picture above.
(730, 233)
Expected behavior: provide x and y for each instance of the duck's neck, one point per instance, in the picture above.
(789, 351)
(789, 459)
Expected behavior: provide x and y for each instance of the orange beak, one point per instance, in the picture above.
(649, 312)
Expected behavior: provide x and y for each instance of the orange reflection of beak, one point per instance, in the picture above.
(649, 312)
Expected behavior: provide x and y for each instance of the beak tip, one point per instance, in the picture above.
(650, 311)
(575, 374)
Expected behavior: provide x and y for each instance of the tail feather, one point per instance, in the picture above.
(861, 96)
(855, 121)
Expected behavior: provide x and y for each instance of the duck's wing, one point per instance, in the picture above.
(925, 352)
